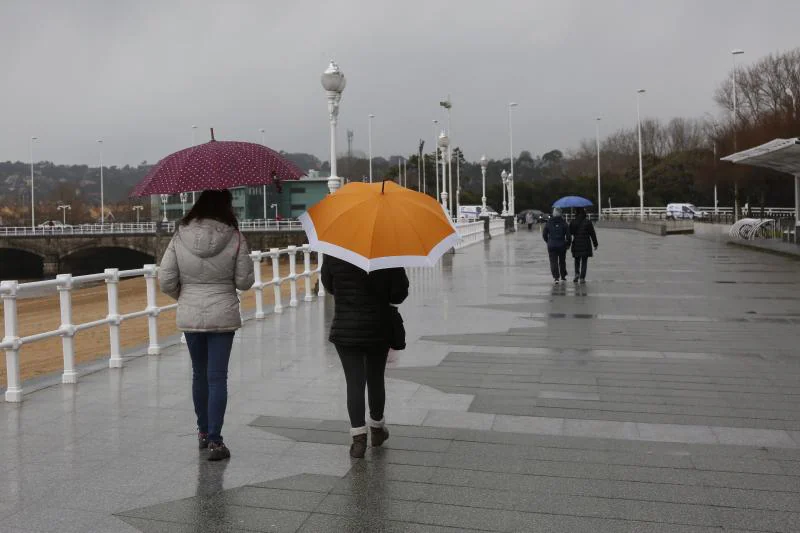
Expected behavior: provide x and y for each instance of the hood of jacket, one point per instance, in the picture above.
(205, 238)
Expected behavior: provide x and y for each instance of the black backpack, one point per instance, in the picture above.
(558, 233)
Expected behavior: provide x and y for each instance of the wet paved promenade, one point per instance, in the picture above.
(662, 396)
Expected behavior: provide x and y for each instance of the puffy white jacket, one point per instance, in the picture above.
(204, 264)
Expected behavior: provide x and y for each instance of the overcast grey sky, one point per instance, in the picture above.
(140, 73)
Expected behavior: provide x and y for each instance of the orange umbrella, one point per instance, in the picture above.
(380, 225)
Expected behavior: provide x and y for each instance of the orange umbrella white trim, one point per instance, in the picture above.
(377, 263)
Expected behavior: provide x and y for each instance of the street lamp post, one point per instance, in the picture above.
(735, 53)
(63, 208)
(641, 173)
(504, 178)
(458, 184)
(263, 187)
(444, 142)
(436, 154)
(599, 190)
(137, 209)
(102, 190)
(184, 197)
(484, 164)
(333, 81)
(275, 207)
(164, 200)
(511, 206)
(371, 116)
(33, 190)
(194, 128)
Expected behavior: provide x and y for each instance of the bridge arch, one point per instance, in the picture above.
(21, 262)
(91, 259)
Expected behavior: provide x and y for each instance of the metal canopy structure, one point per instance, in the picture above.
(782, 155)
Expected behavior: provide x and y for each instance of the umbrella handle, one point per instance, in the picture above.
(212, 134)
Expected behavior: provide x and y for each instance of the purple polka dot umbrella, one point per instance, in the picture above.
(217, 165)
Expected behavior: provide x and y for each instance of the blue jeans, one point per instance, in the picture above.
(210, 354)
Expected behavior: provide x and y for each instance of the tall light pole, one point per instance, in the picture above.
(102, 190)
(790, 94)
(183, 197)
(735, 53)
(263, 187)
(599, 190)
(33, 190)
(137, 209)
(63, 208)
(639, 93)
(436, 154)
(194, 128)
(504, 179)
(333, 81)
(448, 106)
(400, 170)
(511, 206)
(484, 164)
(370, 116)
(444, 142)
(275, 207)
(164, 200)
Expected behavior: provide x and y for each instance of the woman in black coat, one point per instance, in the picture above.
(361, 332)
(583, 238)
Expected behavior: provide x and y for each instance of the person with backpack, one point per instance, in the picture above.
(556, 234)
(583, 238)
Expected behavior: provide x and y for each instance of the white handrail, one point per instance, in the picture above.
(11, 290)
(141, 228)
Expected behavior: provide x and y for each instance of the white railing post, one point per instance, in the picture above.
(320, 288)
(67, 328)
(11, 335)
(258, 286)
(275, 254)
(114, 320)
(293, 276)
(150, 279)
(307, 272)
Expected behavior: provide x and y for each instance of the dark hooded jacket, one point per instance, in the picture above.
(362, 300)
(583, 236)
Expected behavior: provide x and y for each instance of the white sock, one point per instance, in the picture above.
(376, 423)
(358, 431)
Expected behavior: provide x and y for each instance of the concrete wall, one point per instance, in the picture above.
(714, 232)
(661, 227)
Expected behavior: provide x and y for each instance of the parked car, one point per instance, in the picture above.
(685, 212)
(51, 224)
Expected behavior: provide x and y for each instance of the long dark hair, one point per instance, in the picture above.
(214, 205)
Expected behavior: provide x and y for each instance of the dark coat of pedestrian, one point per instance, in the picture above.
(362, 333)
(557, 235)
(205, 263)
(584, 240)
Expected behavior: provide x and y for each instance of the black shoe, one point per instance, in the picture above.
(583, 280)
(564, 279)
(218, 451)
(575, 280)
(555, 281)
(202, 440)
(359, 446)
(379, 435)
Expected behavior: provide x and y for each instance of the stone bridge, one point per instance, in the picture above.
(36, 256)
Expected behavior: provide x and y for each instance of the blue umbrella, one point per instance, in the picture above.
(572, 201)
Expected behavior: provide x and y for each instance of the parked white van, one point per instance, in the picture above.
(475, 211)
(685, 212)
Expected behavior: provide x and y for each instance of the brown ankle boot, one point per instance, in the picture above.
(379, 435)
(359, 446)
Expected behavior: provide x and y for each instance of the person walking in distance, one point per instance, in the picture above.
(529, 220)
(557, 236)
(362, 331)
(583, 239)
(206, 261)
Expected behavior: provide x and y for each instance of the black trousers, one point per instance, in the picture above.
(581, 263)
(558, 263)
(364, 367)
